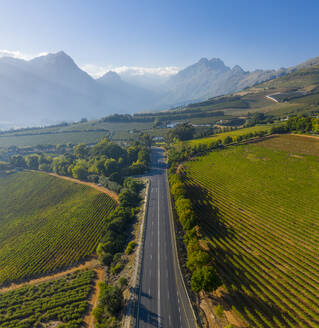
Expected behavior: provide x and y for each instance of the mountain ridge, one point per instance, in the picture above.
(52, 88)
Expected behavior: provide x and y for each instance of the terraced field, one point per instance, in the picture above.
(47, 224)
(58, 303)
(258, 205)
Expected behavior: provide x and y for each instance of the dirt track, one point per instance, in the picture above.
(89, 318)
(305, 135)
(90, 184)
(92, 264)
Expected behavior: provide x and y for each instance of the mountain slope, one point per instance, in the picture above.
(53, 88)
(296, 92)
(210, 78)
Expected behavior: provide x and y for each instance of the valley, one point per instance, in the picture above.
(161, 196)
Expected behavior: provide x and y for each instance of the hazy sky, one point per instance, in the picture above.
(157, 33)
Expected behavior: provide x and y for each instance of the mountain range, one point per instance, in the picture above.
(53, 88)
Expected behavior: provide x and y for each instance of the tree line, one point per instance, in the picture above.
(300, 124)
(110, 251)
(187, 151)
(106, 162)
(199, 261)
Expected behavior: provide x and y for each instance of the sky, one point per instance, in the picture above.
(162, 36)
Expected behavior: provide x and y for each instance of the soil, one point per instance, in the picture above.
(305, 135)
(92, 264)
(90, 184)
(89, 318)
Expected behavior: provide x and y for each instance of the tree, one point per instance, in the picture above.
(184, 131)
(205, 278)
(110, 297)
(32, 162)
(80, 171)
(81, 151)
(197, 259)
(107, 259)
(128, 198)
(227, 140)
(18, 161)
(110, 166)
(61, 165)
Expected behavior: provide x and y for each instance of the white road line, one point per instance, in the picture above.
(158, 259)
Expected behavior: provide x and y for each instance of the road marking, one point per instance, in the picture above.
(151, 256)
(158, 259)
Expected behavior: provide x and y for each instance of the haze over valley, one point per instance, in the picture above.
(52, 88)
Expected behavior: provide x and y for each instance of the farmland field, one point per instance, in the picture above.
(258, 205)
(47, 224)
(234, 133)
(52, 139)
(63, 302)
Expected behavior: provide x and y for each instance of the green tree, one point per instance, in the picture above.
(81, 151)
(111, 298)
(32, 162)
(18, 161)
(227, 140)
(80, 170)
(110, 166)
(205, 278)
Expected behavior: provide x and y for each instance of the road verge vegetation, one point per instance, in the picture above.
(113, 250)
(199, 263)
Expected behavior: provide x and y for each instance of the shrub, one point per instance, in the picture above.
(219, 310)
(117, 268)
(123, 282)
(205, 278)
(130, 247)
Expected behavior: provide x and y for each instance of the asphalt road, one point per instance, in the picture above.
(162, 300)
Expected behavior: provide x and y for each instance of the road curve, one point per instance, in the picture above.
(162, 299)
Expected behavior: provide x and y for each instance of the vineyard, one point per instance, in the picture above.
(258, 207)
(63, 301)
(232, 134)
(47, 224)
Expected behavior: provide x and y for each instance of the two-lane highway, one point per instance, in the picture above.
(162, 300)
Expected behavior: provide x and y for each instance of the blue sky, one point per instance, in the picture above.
(157, 33)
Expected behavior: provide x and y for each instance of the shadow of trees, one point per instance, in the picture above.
(239, 291)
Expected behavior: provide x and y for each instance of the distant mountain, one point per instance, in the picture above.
(131, 97)
(53, 88)
(146, 80)
(295, 92)
(210, 78)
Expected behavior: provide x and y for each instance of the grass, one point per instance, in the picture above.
(47, 224)
(258, 206)
(234, 133)
(64, 300)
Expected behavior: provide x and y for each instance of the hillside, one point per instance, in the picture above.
(47, 224)
(209, 78)
(52, 88)
(296, 92)
(257, 208)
